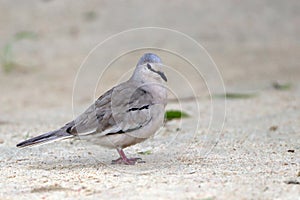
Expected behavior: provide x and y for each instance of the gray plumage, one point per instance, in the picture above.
(125, 115)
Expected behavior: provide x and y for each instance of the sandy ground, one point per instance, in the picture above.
(257, 155)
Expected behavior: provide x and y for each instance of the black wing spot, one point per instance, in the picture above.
(141, 108)
(100, 116)
(129, 130)
(119, 132)
(71, 130)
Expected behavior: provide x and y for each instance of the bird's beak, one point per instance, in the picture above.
(163, 76)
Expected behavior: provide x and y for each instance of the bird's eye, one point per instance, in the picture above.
(149, 66)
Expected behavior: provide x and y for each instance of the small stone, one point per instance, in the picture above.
(273, 128)
(294, 182)
(291, 151)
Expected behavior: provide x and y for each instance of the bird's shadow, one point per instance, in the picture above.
(62, 163)
(57, 157)
(86, 164)
(68, 157)
(47, 161)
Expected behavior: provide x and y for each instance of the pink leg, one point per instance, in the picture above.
(124, 160)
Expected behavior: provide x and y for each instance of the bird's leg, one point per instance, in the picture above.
(124, 160)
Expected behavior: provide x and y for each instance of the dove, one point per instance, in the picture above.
(125, 115)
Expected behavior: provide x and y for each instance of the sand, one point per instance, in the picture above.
(255, 156)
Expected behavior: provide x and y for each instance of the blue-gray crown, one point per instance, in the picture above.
(149, 58)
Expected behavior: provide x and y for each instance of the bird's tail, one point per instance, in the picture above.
(45, 138)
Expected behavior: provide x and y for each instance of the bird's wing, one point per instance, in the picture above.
(122, 109)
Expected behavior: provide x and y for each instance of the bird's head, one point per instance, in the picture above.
(149, 68)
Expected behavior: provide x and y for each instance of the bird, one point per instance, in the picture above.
(125, 115)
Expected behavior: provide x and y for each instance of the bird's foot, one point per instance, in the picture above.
(127, 161)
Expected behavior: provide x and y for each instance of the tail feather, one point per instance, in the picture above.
(45, 138)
